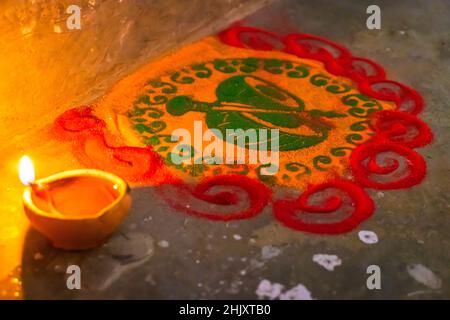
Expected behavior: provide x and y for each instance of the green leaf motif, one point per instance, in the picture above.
(298, 72)
(249, 65)
(154, 127)
(202, 70)
(340, 151)
(240, 169)
(162, 149)
(321, 160)
(223, 66)
(362, 105)
(273, 66)
(360, 125)
(155, 139)
(178, 78)
(268, 179)
(296, 166)
(351, 138)
(319, 80)
(326, 114)
(168, 88)
(148, 100)
(338, 88)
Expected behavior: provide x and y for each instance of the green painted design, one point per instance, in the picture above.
(195, 170)
(334, 88)
(185, 168)
(162, 149)
(288, 64)
(245, 101)
(223, 66)
(156, 139)
(340, 151)
(273, 66)
(268, 179)
(273, 107)
(249, 65)
(351, 138)
(296, 167)
(154, 113)
(178, 78)
(153, 127)
(150, 99)
(319, 80)
(298, 72)
(362, 105)
(136, 112)
(167, 88)
(321, 159)
(326, 114)
(360, 125)
(244, 168)
(202, 70)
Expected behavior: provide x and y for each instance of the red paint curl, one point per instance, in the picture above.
(289, 212)
(363, 162)
(258, 195)
(131, 163)
(401, 127)
(86, 132)
(406, 99)
(361, 69)
(77, 120)
(257, 39)
(317, 48)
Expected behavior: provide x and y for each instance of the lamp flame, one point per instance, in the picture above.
(26, 170)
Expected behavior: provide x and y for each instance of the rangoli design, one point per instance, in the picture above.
(343, 128)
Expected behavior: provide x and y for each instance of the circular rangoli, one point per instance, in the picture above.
(342, 127)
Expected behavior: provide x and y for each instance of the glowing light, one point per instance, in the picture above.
(26, 170)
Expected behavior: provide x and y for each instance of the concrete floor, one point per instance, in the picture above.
(160, 254)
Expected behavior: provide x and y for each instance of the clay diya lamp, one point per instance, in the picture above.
(76, 209)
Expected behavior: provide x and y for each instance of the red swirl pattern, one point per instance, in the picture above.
(395, 132)
(289, 212)
(406, 99)
(77, 121)
(369, 76)
(313, 47)
(400, 127)
(86, 132)
(368, 152)
(258, 196)
(257, 39)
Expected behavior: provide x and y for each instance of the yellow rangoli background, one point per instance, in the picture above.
(116, 105)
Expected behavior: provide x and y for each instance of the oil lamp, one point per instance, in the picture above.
(76, 209)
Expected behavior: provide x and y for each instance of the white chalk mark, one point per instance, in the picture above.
(297, 293)
(368, 237)
(269, 252)
(267, 289)
(423, 275)
(328, 261)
